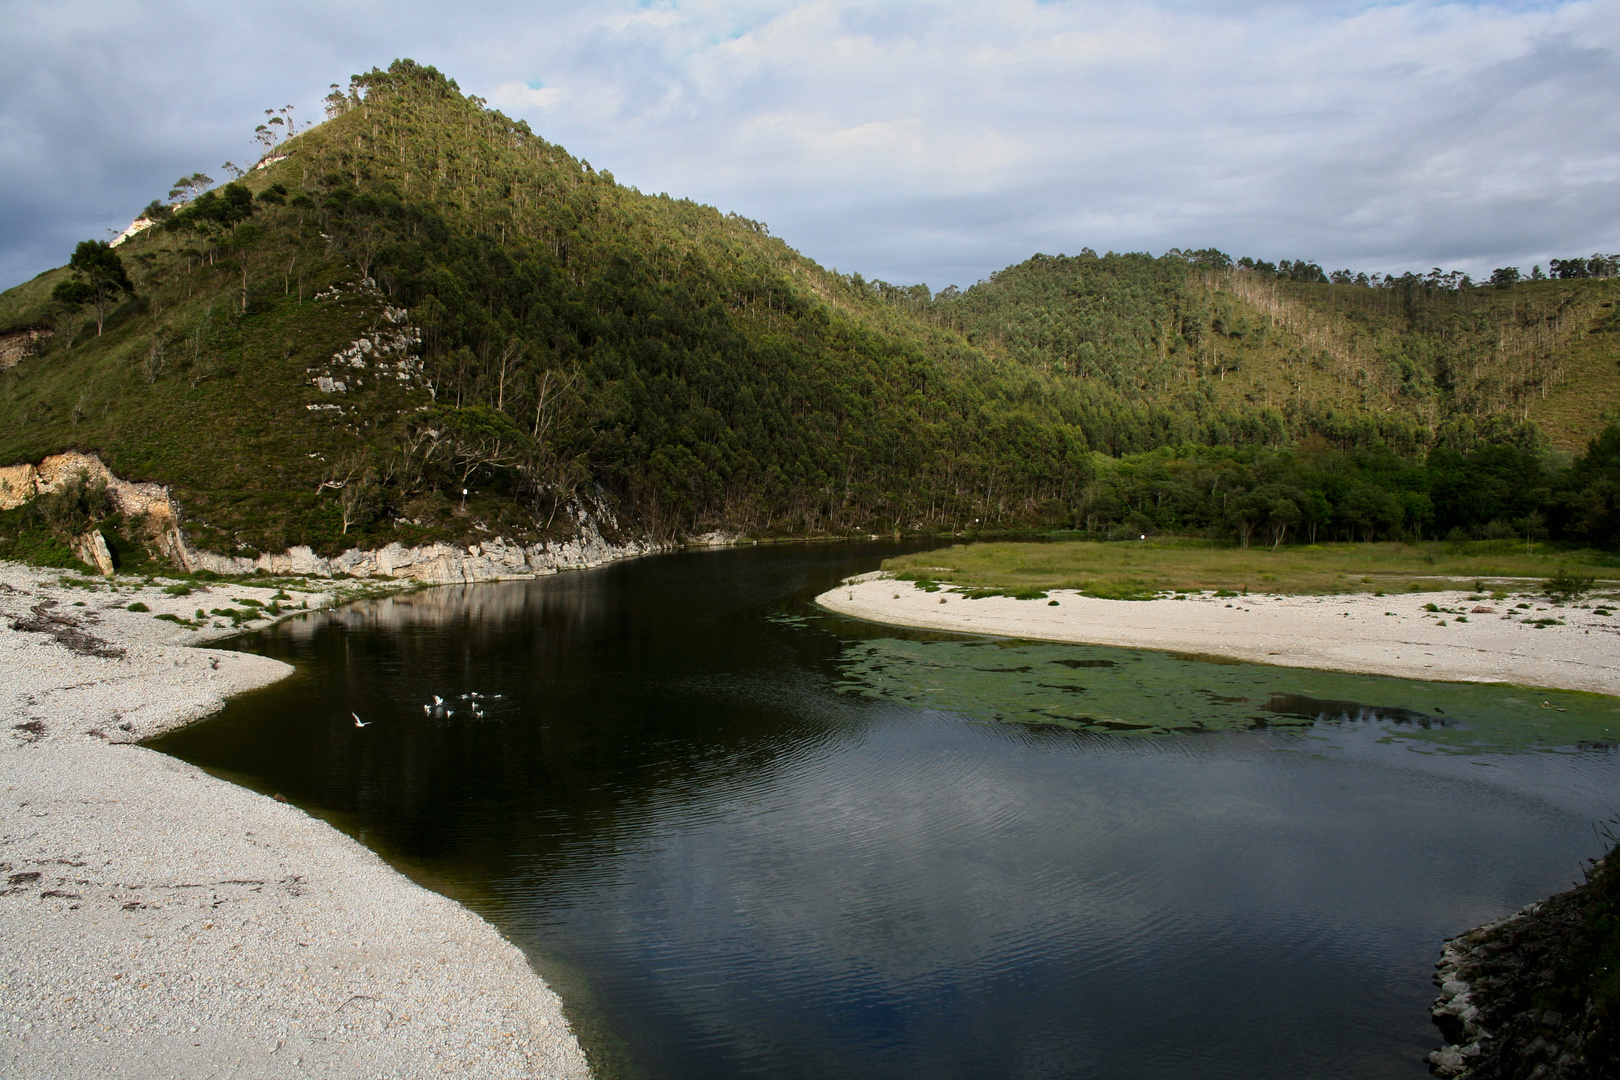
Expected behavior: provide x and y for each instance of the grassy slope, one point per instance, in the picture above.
(29, 304)
(1586, 397)
(221, 415)
(1228, 341)
(1115, 569)
(1542, 351)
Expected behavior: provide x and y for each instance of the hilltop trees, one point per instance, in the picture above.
(278, 125)
(189, 187)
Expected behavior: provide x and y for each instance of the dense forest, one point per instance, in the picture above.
(421, 297)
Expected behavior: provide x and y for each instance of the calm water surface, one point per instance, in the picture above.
(731, 864)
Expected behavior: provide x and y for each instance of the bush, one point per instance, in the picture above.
(25, 539)
(138, 606)
(76, 505)
(1566, 586)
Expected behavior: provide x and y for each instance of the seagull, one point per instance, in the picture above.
(359, 722)
(437, 700)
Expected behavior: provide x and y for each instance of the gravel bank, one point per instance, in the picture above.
(157, 922)
(1376, 635)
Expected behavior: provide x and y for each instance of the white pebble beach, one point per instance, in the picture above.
(1495, 641)
(158, 922)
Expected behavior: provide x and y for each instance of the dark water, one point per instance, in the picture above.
(730, 866)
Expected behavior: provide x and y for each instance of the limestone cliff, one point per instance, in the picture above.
(438, 563)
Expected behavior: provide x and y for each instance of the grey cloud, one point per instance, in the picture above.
(910, 141)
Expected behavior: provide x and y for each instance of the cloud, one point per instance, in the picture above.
(909, 140)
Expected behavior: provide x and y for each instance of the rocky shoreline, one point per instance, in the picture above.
(1506, 1007)
(494, 559)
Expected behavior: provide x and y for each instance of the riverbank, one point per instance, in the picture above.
(1525, 995)
(158, 922)
(1467, 639)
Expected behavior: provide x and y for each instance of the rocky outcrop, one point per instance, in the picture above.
(91, 549)
(150, 502)
(1499, 985)
(18, 345)
(437, 564)
(385, 352)
(20, 483)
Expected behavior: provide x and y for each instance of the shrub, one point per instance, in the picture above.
(1566, 586)
(75, 506)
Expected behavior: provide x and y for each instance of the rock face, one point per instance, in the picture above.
(91, 549)
(1495, 985)
(20, 483)
(17, 345)
(437, 564)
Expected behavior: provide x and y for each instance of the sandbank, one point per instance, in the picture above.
(158, 922)
(1368, 634)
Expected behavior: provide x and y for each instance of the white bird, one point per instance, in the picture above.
(359, 722)
(437, 700)
(427, 710)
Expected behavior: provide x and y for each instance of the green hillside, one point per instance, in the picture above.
(1415, 363)
(421, 296)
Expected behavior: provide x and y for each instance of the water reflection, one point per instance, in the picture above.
(734, 864)
(1308, 708)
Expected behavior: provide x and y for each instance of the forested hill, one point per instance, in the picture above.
(421, 296)
(1413, 361)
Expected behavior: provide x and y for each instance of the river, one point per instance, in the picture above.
(685, 794)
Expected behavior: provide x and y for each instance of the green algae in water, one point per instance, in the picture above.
(1123, 691)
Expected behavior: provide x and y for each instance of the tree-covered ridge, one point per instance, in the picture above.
(1411, 360)
(422, 296)
(711, 373)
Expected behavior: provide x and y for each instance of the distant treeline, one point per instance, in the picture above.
(1303, 270)
(1313, 492)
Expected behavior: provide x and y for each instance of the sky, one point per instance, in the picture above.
(910, 141)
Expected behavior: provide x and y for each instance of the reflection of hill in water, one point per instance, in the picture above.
(1309, 708)
(459, 606)
(1123, 691)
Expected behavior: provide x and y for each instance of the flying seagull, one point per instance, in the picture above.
(359, 722)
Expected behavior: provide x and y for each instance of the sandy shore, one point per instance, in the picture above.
(157, 922)
(1379, 635)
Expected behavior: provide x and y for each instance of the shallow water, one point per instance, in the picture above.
(737, 852)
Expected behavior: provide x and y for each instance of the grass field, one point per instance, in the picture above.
(1145, 569)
